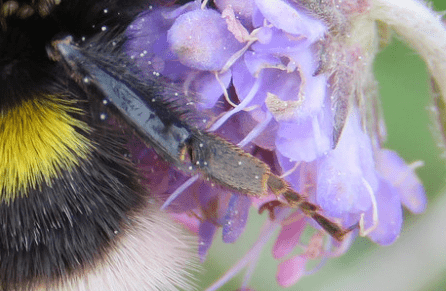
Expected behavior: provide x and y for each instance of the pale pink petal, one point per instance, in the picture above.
(190, 222)
(289, 235)
(290, 271)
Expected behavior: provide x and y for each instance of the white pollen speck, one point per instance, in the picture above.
(197, 163)
(257, 177)
(103, 116)
(176, 94)
(86, 80)
(239, 163)
(190, 168)
(201, 145)
(83, 38)
(105, 10)
(104, 28)
(153, 100)
(205, 163)
(105, 101)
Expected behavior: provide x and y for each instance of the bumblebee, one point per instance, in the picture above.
(75, 214)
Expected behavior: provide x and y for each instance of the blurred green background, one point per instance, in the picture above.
(417, 260)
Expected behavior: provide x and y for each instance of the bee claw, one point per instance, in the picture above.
(271, 207)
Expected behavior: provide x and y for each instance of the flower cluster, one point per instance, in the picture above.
(263, 74)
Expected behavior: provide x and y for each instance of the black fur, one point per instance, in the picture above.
(24, 64)
(53, 231)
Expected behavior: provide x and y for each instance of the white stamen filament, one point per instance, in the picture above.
(236, 56)
(240, 107)
(417, 164)
(362, 230)
(290, 171)
(413, 166)
(256, 131)
(179, 190)
(223, 88)
(323, 261)
(267, 231)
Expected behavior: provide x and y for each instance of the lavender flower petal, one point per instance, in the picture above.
(147, 45)
(346, 173)
(206, 233)
(305, 140)
(285, 16)
(280, 42)
(242, 9)
(404, 179)
(208, 88)
(289, 235)
(236, 217)
(201, 40)
(390, 215)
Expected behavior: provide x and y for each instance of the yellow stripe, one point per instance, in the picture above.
(38, 140)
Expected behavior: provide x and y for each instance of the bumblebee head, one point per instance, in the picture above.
(74, 212)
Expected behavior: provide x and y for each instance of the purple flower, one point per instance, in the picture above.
(262, 75)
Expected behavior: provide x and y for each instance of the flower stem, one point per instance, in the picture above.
(424, 30)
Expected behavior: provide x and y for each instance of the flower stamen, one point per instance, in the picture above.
(204, 4)
(342, 248)
(413, 166)
(324, 259)
(225, 91)
(256, 131)
(266, 233)
(290, 171)
(314, 248)
(240, 107)
(236, 56)
(180, 190)
(240, 36)
(362, 231)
